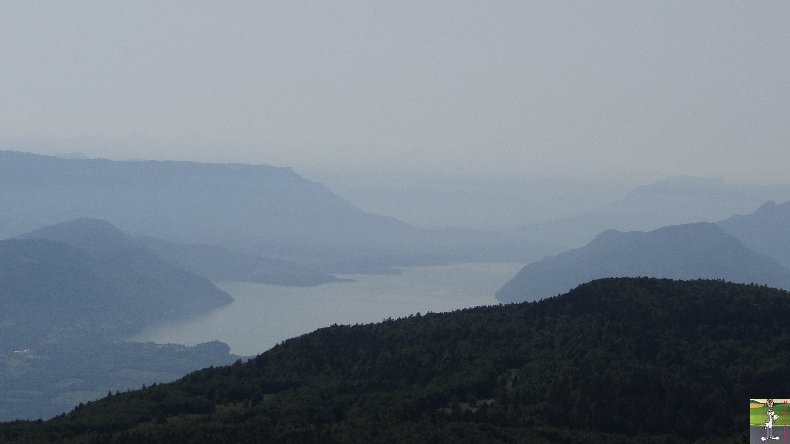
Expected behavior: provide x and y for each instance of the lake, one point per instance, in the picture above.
(263, 315)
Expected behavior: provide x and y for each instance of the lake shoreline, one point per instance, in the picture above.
(263, 315)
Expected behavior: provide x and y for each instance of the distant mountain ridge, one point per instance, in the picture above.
(95, 235)
(220, 264)
(253, 209)
(211, 262)
(766, 230)
(671, 201)
(690, 251)
(54, 289)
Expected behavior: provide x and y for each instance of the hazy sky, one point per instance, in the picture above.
(554, 88)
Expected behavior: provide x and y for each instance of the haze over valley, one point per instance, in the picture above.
(510, 221)
(140, 287)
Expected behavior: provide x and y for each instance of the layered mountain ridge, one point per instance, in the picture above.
(689, 251)
(209, 261)
(257, 210)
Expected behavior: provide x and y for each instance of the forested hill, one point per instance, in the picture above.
(614, 360)
(49, 290)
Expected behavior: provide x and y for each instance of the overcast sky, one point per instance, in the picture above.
(517, 89)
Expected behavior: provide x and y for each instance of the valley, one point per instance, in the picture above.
(394, 222)
(262, 316)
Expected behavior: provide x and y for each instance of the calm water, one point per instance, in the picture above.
(263, 315)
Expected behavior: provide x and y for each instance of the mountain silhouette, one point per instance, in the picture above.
(690, 251)
(766, 230)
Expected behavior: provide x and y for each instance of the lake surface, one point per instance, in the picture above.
(263, 315)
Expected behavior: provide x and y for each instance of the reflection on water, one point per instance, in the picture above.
(263, 315)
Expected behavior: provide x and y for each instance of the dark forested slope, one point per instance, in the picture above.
(690, 251)
(615, 360)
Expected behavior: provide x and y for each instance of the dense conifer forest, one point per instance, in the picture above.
(614, 360)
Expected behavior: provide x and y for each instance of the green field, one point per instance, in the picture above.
(758, 416)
